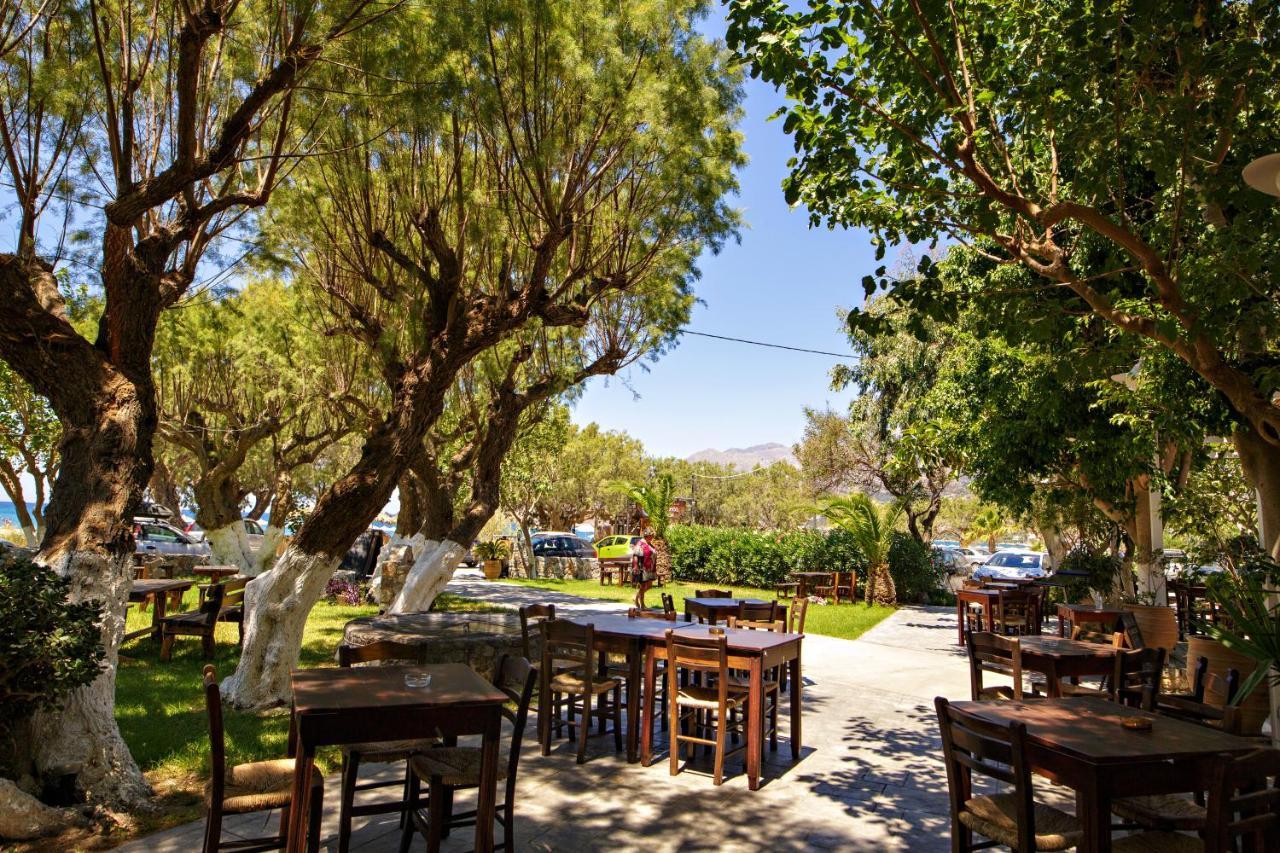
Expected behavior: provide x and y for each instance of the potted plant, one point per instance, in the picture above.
(1157, 622)
(492, 554)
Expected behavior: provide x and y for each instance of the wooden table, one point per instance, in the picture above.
(162, 590)
(217, 573)
(715, 609)
(334, 706)
(808, 579)
(1080, 743)
(754, 651)
(986, 597)
(1057, 658)
(1087, 613)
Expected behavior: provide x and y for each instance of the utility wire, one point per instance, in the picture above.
(839, 355)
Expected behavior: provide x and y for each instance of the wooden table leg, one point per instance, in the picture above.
(633, 703)
(991, 616)
(486, 797)
(795, 706)
(755, 723)
(304, 766)
(650, 687)
(1054, 681)
(158, 611)
(960, 606)
(1093, 805)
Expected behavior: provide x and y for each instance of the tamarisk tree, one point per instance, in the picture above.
(565, 155)
(1099, 148)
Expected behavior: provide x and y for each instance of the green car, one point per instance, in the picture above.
(615, 547)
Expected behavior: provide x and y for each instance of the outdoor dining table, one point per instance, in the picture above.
(1057, 658)
(216, 573)
(809, 579)
(334, 706)
(162, 590)
(754, 651)
(715, 609)
(986, 596)
(1080, 742)
(1087, 613)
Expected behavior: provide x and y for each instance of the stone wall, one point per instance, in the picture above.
(579, 568)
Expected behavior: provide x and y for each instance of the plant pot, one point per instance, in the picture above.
(1158, 624)
(1253, 710)
(492, 569)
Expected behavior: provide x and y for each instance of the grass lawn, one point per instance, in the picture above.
(847, 621)
(161, 713)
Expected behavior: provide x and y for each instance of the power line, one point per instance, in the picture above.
(839, 355)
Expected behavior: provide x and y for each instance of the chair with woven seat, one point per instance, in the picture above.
(772, 681)
(992, 653)
(794, 616)
(1243, 811)
(200, 622)
(531, 616)
(705, 702)
(1016, 611)
(447, 769)
(566, 643)
(766, 612)
(1014, 819)
(258, 786)
(388, 752)
(1134, 679)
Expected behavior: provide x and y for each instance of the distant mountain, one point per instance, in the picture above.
(746, 458)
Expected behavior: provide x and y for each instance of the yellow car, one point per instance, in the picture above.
(615, 547)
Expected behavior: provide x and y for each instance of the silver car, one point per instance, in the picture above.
(152, 536)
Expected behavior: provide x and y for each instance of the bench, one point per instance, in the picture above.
(220, 602)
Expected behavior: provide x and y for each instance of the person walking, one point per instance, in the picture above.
(644, 566)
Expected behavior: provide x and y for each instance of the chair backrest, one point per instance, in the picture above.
(993, 653)
(569, 645)
(1138, 668)
(668, 604)
(382, 650)
(699, 654)
(233, 592)
(1089, 635)
(1132, 632)
(1244, 803)
(516, 677)
(971, 583)
(636, 613)
(778, 625)
(714, 593)
(796, 612)
(766, 612)
(530, 616)
(971, 745)
(217, 743)
(214, 593)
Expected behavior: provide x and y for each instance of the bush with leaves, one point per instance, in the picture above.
(726, 555)
(1096, 568)
(918, 572)
(49, 646)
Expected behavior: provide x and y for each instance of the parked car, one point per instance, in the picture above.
(615, 547)
(951, 559)
(1013, 565)
(554, 544)
(159, 537)
(253, 531)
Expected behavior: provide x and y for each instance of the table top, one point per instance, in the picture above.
(984, 592)
(723, 603)
(740, 639)
(364, 687)
(1089, 728)
(1089, 608)
(153, 585)
(743, 639)
(623, 625)
(215, 571)
(812, 574)
(1060, 647)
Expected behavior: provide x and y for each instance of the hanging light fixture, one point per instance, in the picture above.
(1263, 174)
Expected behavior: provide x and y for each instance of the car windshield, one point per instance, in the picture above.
(1020, 561)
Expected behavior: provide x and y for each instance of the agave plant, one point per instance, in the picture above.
(872, 528)
(1248, 596)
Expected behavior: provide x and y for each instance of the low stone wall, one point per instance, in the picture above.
(476, 639)
(576, 568)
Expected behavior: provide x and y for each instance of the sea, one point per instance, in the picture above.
(8, 514)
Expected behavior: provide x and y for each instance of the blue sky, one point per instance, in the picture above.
(782, 284)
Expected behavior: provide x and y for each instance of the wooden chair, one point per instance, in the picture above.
(447, 769)
(669, 604)
(1134, 680)
(1243, 810)
(233, 605)
(567, 643)
(531, 615)
(198, 623)
(992, 653)
(700, 707)
(795, 616)
(772, 681)
(637, 613)
(826, 588)
(766, 612)
(714, 593)
(255, 787)
(353, 755)
(1014, 819)
(841, 586)
(1017, 612)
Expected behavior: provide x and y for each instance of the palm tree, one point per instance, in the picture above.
(988, 524)
(872, 528)
(655, 502)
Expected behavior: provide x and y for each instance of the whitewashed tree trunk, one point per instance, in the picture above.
(31, 535)
(230, 547)
(265, 557)
(83, 738)
(432, 570)
(276, 608)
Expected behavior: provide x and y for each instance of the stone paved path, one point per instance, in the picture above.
(869, 779)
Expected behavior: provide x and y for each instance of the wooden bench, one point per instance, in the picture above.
(220, 602)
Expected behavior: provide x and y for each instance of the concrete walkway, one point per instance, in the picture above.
(870, 777)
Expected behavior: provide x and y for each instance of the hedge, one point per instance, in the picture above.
(726, 555)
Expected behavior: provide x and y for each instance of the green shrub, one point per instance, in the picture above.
(918, 573)
(48, 646)
(724, 555)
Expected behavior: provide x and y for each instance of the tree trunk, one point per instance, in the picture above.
(1148, 550)
(433, 568)
(1261, 464)
(12, 484)
(880, 588)
(230, 546)
(276, 608)
(530, 561)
